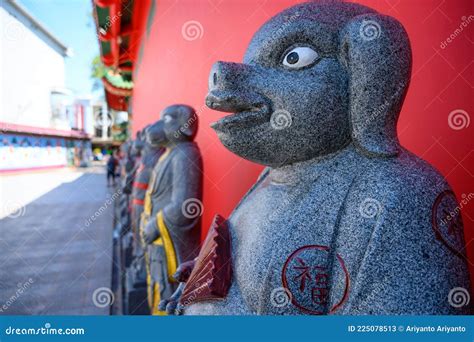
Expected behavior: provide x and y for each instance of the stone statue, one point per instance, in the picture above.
(126, 168)
(135, 282)
(144, 166)
(171, 222)
(343, 220)
(131, 162)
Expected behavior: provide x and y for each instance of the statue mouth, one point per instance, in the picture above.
(248, 109)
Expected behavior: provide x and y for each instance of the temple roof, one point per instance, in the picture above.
(120, 25)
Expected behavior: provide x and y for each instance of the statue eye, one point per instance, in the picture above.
(300, 57)
(167, 118)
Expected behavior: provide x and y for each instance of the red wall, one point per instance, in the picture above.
(175, 70)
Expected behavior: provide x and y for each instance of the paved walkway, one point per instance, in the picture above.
(53, 255)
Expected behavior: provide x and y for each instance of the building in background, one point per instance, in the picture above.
(42, 124)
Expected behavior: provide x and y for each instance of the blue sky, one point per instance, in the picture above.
(72, 23)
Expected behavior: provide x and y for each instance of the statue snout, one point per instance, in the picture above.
(226, 75)
(232, 90)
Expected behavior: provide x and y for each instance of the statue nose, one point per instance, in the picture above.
(213, 79)
(214, 75)
(225, 75)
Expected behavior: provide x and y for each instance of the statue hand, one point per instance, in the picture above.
(150, 232)
(184, 270)
(172, 305)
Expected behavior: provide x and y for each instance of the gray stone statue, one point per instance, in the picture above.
(149, 156)
(171, 223)
(130, 164)
(343, 220)
(135, 277)
(132, 155)
(126, 169)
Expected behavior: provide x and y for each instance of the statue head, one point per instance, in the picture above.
(315, 78)
(125, 148)
(177, 123)
(138, 144)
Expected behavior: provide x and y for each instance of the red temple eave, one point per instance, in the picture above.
(119, 38)
(113, 32)
(117, 31)
(116, 97)
(116, 102)
(115, 90)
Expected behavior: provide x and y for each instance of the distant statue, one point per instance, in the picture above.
(131, 161)
(343, 220)
(135, 282)
(149, 157)
(126, 168)
(171, 222)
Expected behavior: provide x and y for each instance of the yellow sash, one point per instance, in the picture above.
(164, 239)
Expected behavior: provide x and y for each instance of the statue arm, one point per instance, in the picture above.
(130, 169)
(151, 232)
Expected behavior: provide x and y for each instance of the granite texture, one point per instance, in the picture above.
(343, 220)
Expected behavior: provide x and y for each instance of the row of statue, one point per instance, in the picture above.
(343, 220)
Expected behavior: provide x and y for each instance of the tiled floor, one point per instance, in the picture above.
(53, 255)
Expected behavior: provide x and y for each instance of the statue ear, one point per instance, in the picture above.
(376, 51)
(189, 126)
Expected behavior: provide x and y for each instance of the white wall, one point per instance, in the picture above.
(29, 70)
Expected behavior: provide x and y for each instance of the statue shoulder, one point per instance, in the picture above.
(187, 153)
(404, 179)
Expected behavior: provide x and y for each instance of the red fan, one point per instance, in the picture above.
(212, 273)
